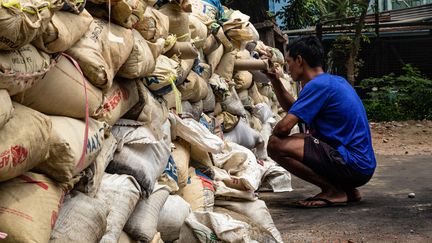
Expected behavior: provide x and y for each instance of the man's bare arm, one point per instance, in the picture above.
(285, 99)
(284, 126)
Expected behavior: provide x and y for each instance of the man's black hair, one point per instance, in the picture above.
(309, 48)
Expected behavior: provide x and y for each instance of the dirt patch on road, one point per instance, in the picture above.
(402, 138)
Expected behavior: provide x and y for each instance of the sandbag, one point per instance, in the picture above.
(154, 25)
(251, 64)
(149, 111)
(204, 10)
(169, 177)
(181, 155)
(24, 142)
(102, 51)
(245, 99)
(186, 66)
(164, 77)
(230, 121)
(262, 111)
(225, 68)
(140, 61)
(215, 57)
(142, 224)
(198, 31)
(232, 103)
(64, 93)
(92, 176)
(21, 21)
(194, 88)
(255, 123)
(265, 89)
(178, 21)
(171, 217)
(219, 85)
(139, 154)
(243, 80)
(198, 135)
(199, 191)
(257, 211)
(81, 219)
(119, 99)
(183, 50)
(201, 227)
(128, 13)
(125, 238)
(6, 107)
(22, 68)
(276, 178)
(255, 94)
(29, 206)
(210, 45)
(209, 102)
(64, 30)
(66, 147)
(120, 194)
(244, 135)
(259, 76)
(229, 157)
(200, 156)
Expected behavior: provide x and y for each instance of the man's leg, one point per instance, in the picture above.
(289, 152)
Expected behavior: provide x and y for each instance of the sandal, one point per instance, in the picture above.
(327, 203)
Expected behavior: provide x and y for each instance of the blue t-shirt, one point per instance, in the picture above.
(332, 108)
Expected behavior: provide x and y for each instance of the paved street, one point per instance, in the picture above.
(385, 215)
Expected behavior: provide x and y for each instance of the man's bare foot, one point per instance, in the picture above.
(333, 196)
(353, 195)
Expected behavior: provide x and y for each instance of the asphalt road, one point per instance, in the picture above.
(386, 214)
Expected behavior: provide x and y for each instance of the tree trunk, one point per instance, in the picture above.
(355, 46)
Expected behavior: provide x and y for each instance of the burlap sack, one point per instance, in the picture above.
(181, 155)
(245, 99)
(22, 68)
(142, 225)
(120, 194)
(183, 50)
(63, 93)
(169, 177)
(102, 51)
(243, 80)
(140, 62)
(66, 147)
(64, 30)
(24, 142)
(6, 107)
(91, 177)
(198, 31)
(209, 102)
(230, 121)
(210, 45)
(257, 211)
(128, 12)
(29, 206)
(163, 78)
(139, 154)
(255, 94)
(119, 99)
(203, 10)
(149, 110)
(81, 219)
(225, 68)
(194, 88)
(186, 66)
(214, 58)
(125, 238)
(199, 191)
(244, 135)
(20, 25)
(172, 216)
(154, 25)
(178, 21)
(232, 103)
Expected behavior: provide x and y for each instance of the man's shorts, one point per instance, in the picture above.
(328, 163)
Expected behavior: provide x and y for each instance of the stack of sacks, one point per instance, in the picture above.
(134, 121)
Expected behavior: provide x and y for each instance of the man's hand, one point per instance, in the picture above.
(275, 73)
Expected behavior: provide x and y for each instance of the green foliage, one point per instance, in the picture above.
(298, 14)
(338, 55)
(405, 97)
